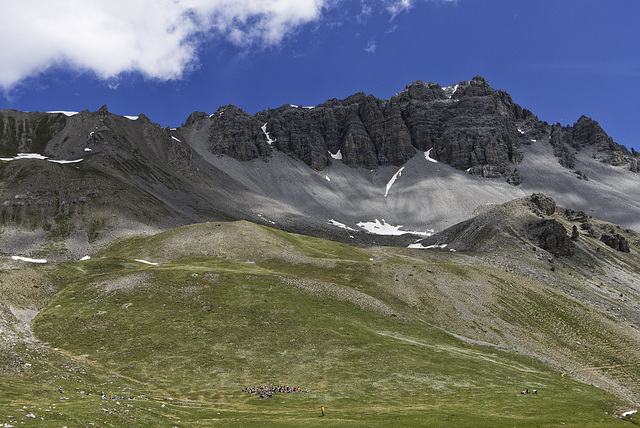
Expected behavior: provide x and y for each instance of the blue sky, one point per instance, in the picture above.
(167, 58)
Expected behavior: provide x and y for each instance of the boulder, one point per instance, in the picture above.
(617, 242)
(543, 203)
(515, 179)
(575, 234)
(552, 237)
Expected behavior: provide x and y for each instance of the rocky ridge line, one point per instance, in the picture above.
(469, 126)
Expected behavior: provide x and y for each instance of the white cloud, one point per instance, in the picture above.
(395, 7)
(365, 10)
(371, 47)
(158, 38)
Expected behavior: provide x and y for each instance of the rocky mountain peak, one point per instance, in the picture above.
(587, 135)
(421, 91)
(103, 111)
(196, 116)
(356, 98)
(476, 87)
(588, 132)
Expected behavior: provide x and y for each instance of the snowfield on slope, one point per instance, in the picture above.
(29, 260)
(21, 156)
(383, 228)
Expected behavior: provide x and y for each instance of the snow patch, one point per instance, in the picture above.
(174, 138)
(419, 246)
(266, 134)
(65, 161)
(340, 225)
(450, 90)
(416, 245)
(337, 156)
(85, 258)
(533, 141)
(28, 260)
(131, 117)
(520, 131)
(66, 113)
(630, 412)
(393, 180)
(146, 262)
(327, 177)
(87, 149)
(384, 228)
(427, 156)
(24, 156)
(21, 156)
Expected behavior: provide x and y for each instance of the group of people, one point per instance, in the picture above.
(526, 391)
(270, 391)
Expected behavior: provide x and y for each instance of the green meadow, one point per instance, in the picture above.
(371, 335)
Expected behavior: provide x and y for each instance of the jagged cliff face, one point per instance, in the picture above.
(469, 126)
(22, 132)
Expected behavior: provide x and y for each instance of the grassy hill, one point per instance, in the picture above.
(184, 320)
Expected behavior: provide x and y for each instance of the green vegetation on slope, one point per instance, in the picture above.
(184, 337)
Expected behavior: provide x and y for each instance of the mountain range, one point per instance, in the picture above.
(418, 162)
(444, 243)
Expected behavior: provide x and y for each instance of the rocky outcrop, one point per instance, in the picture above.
(587, 134)
(542, 204)
(237, 134)
(523, 223)
(576, 216)
(552, 237)
(617, 242)
(549, 234)
(514, 179)
(479, 132)
(558, 139)
(575, 233)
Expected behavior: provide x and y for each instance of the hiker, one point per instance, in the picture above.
(322, 410)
